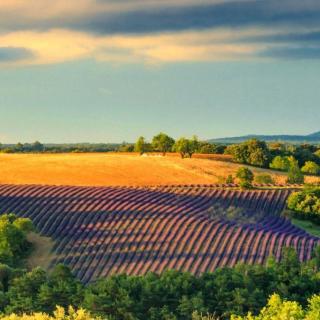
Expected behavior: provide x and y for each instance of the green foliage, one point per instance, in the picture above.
(245, 177)
(305, 204)
(186, 147)
(162, 142)
(280, 163)
(13, 242)
(39, 291)
(171, 295)
(294, 174)
(210, 148)
(286, 310)
(311, 167)
(141, 146)
(59, 314)
(252, 152)
(263, 178)
(230, 179)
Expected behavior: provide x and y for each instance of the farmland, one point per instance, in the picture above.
(99, 231)
(112, 169)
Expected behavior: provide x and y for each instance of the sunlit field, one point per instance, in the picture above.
(117, 169)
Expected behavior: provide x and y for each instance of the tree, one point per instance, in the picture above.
(254, 152)
(280, 163)
(162, 142)
(294, 174)
(186, 147)
(141, 146)
(61, 288)
(311, 167)
(245, 177)
(229, 179)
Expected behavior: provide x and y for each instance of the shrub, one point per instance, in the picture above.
(294, 174)
(245, 177)
(229, 179)
(59, 314)
(280, 163)
(305, 204)
(264, 179)
(311, 167)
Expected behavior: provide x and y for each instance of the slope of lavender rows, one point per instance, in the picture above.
(100, 231)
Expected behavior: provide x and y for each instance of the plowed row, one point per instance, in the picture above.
(105, 230)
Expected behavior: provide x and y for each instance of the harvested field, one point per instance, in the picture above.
(99, 231)
(111, 169)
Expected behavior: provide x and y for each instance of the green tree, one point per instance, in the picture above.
(162, 142)
(186, 147)
(61, 288)
(280, 163)
(141, 146)
(294, 174)
(311, 167)
(245, 176)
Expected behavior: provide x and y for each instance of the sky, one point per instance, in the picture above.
(112, 70)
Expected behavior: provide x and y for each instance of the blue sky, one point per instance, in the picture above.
(109, 71)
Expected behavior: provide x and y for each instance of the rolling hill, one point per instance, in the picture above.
(311, 138)
(99, 231)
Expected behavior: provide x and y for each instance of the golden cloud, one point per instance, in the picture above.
(57, 46)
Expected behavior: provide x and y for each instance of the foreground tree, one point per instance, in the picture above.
(286, 310)
(162, 142)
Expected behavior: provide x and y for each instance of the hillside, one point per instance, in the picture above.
(310, 138)
(100, 231)
(107, 169)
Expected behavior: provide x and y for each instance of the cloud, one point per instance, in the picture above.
(61, 45)
(14, 54)
(157, 31)
(292, 53)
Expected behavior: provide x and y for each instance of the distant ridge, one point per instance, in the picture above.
(310, 138)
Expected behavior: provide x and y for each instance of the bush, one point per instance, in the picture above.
(311, 167)
(264, 179)
(245, 177)
(280, 163)
(287, 310)
(229, 179)
(295, 175)
(59, 314)
(305, 204)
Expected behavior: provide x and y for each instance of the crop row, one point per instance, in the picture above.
(100, 231)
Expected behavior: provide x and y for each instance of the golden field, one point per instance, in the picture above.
(109, 169)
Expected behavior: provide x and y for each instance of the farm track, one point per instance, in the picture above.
(99, 231)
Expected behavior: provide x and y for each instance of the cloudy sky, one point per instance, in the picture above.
(110, 70)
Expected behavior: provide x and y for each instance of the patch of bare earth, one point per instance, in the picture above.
(41, 255)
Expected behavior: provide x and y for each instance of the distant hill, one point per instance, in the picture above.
(310, 138)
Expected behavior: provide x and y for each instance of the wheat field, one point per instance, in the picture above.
(110, 169)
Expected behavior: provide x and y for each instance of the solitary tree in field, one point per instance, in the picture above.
(245, 177)
(162, 142)
(186, 147)
(140, 146)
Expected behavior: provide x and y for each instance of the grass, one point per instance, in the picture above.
(308, 226)
(108, 169)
